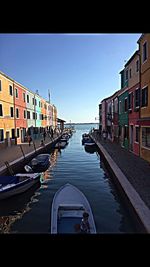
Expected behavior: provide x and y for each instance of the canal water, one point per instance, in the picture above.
(31, 212)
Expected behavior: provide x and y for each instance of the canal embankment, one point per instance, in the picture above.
(17, 156)
(131, 175)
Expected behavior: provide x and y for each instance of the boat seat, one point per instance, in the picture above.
(71, 207)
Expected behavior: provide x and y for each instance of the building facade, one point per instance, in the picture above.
(144, 121)
(22, 113)
(133, 102)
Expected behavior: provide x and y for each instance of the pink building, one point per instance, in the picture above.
(133, 102)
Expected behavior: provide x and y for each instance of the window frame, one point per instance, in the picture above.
(145, 104)
(144, 59)
(2, 141)
(1, 110)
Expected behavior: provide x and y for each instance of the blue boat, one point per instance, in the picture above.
(38, 164)
(19, 183)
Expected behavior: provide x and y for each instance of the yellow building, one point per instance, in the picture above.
(7, 124)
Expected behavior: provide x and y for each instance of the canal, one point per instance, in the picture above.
(30, 212)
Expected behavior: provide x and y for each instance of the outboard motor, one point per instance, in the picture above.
(28, 168)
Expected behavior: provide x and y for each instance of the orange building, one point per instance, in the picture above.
(144, 121)
(7, 125)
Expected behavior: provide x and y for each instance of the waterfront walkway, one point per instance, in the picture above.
(136, 170)
(12, 153)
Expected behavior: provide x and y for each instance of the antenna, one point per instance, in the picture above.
(49, 96)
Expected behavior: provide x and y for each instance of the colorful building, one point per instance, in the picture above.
(123, 110)
(144, 121)
(134, 102)
(22, 112)
(7, 123)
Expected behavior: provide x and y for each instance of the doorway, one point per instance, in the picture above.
(8, 139)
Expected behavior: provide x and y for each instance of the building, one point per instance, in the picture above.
(22, 112)
(123, 109)
(133, 101)
(144, 121)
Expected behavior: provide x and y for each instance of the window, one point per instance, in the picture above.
(39, 104)
(145, 97)
(17, 133)
(0, 85)
(1, 135)
(126, 74)
(120, 109)
(24, 114)
(1, 110)
(137, 134)
(17, 113)
(33, 101)
(36, 116)
(130, 98)
(13, 133)
(144, 51)
(146, 137)
(16, 91)
(130, 73)
(125, 104)
(126, 132)
(24, 97)
(33, 115)
(27, 98)
(137, 65)
(137, 98)
(10, 90)
(11, 112)
(28, 114)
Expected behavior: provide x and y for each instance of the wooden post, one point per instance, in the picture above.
(22, 151)
(9, 168)
(34, 146)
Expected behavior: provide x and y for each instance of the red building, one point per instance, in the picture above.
(133, 102)
(20, 112)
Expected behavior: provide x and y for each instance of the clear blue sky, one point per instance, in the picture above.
(79, 69)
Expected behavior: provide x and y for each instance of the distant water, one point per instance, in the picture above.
(31, 212)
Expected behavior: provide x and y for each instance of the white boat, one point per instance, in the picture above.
(19, 183)
(68, 206)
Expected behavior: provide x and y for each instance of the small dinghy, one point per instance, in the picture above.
(19, 183)
(61, 144)
(38, 164)
(68, 206)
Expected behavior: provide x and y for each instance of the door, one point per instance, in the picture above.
(8, 139)
(131, 137)
(22, 136)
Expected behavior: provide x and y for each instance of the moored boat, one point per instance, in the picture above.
(16, 184)
(61, 144)
(68, 206)
(38, 164)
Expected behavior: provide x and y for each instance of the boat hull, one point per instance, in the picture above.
(18, 188)
(68, 206)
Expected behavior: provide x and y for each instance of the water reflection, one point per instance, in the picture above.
(84, 170)
(14, 208)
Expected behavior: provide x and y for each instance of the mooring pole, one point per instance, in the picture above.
(22, 151)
